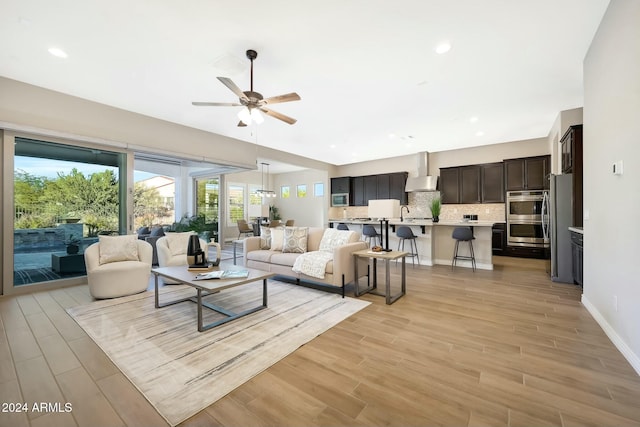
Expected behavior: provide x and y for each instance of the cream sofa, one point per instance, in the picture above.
(338, 272)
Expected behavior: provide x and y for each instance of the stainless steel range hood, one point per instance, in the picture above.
(422, 182)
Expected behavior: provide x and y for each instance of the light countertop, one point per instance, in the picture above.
(420, 222)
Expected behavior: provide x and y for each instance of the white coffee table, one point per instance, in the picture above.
(183, 275)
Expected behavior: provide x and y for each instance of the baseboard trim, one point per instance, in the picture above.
(626, 351)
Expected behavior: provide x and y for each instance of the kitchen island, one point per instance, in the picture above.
(434, 241)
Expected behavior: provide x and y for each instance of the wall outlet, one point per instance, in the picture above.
(455, 210)
(486, 211)
(615, 302)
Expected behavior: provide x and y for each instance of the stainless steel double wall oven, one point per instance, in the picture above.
(526, 215)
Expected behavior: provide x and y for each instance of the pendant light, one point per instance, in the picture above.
(262, 192)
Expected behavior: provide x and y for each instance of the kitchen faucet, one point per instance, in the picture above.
(403, 207)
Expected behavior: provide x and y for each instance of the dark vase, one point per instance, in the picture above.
(195, 254)
(73, 249)
(435, 219)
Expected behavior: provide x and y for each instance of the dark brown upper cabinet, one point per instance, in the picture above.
(571, 144)
(571, 148)
(493, 183)
(357, 187)
(528, 173)
(383, 186)
(370, 188)
(470, 188)
(449, 185)
(472, 184)
(397, 184)
(340, 185)
(384, 190)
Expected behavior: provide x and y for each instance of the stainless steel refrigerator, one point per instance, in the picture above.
(556, 220)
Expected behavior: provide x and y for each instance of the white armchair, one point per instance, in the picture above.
(111, 278)
(172, 250)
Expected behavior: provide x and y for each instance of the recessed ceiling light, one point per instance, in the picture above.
(58, 52)
(479, 133)
(332, 146)
(443, 47)
(473, 119)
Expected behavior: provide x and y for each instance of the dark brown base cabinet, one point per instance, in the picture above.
(527, 252)
(577, 252)
(499, 239)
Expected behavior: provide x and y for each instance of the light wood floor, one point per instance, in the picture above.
(506, 347)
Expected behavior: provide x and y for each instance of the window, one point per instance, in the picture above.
(285, 192)
(207, 199)
(255, 203)
(301, 190)
(153, 199)
(236, 203)
(318, 189)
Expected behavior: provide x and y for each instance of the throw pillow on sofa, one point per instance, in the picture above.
(265, 238)
(333, 238)
(277, 239)
(295, 240)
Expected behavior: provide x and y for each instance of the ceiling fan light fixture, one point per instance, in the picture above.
(256, 116)
(245, 115)
(242, 124)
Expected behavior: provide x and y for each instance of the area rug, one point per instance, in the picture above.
(182, 371)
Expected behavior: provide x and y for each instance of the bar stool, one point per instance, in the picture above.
(405, 233)
(463, 234)
(371, 235)
(342, 226)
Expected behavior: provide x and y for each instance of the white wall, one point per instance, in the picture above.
(612, 133)
(309, 211)
(442, 159)
(488, 154)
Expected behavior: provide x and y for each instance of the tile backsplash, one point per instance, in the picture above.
(419, 203)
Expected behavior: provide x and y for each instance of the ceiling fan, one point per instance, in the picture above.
(252, 101)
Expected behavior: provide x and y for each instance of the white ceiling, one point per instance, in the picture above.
(371, 83)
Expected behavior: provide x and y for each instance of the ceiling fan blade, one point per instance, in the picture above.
(282, 98)
(278, 116)
(234, 88)
(216, 104)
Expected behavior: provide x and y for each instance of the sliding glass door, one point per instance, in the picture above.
(64, 196)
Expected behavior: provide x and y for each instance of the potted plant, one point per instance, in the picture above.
(274, 213)
(435, 209)
(73, 244)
